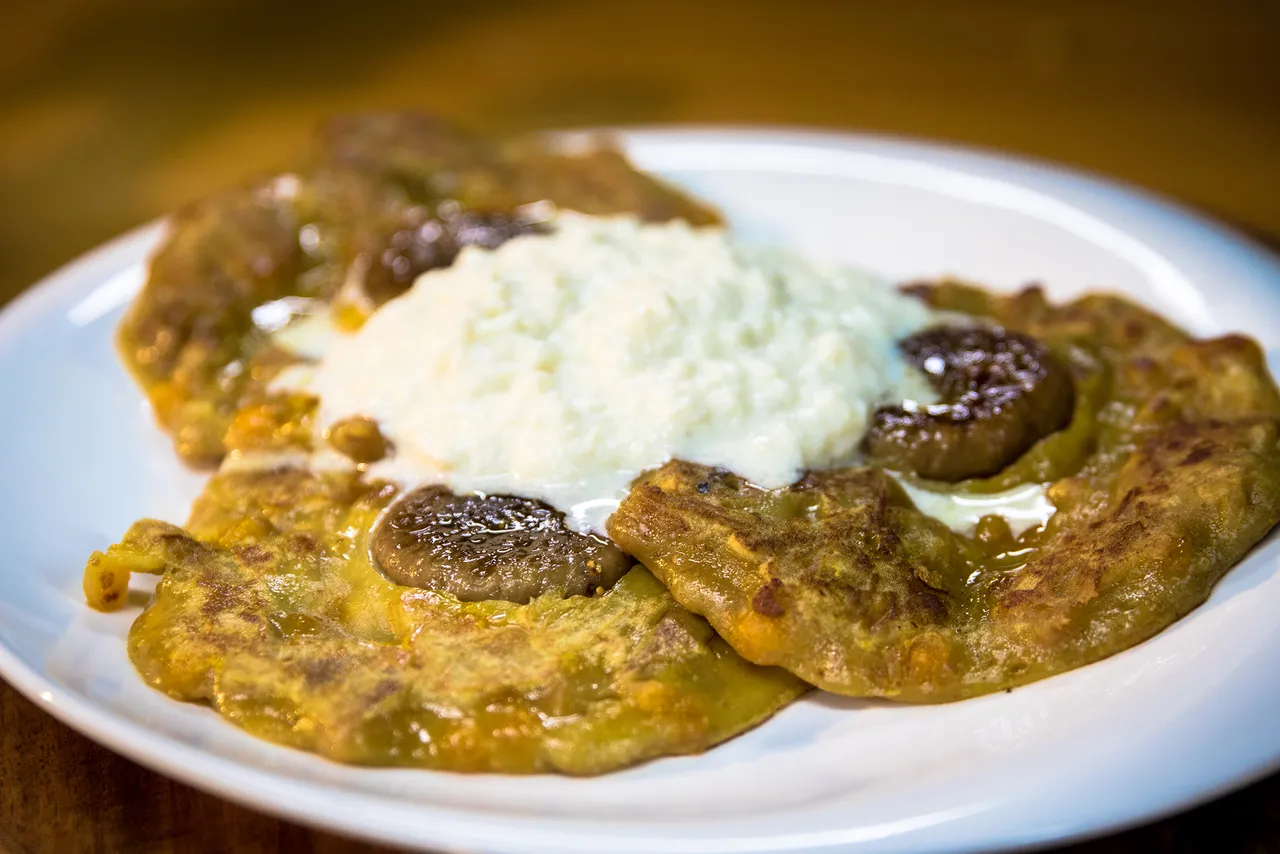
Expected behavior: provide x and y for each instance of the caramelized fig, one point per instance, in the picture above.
(427, 237)
(480, 547)
(1001, 393)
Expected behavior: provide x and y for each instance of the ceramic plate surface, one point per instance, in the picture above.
(1169, 723)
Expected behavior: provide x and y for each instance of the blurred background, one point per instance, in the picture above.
(115, 111)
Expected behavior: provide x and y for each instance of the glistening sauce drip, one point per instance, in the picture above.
(1024, 507)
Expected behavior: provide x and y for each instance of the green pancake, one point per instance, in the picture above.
(1166, 475)
(271, 611)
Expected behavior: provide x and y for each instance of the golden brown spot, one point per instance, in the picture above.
(304, 543)
(768, 599)
(254, 555)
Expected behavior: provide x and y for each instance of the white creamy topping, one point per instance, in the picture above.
(560, 366)
(311, 335)
(322, 460)
(293, 378)
(1023, 507)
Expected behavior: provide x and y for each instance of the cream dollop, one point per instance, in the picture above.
(560, 366)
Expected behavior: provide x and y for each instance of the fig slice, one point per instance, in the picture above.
(1001, 393)
(482, 547)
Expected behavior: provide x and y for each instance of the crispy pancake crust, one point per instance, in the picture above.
(1167, 475)
(270, 610)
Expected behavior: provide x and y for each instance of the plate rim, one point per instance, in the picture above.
(270, 793)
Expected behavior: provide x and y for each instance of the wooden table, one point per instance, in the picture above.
(112, 112)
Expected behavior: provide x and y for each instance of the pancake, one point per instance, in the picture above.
(271, 609)
(1166, 474)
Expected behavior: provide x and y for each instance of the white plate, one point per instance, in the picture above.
(1169, 723)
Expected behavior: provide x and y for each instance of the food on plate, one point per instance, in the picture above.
(526, 464)
(379, 200)
(272, 609)
(559, 366)
(318, 605)
(1165, 474)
